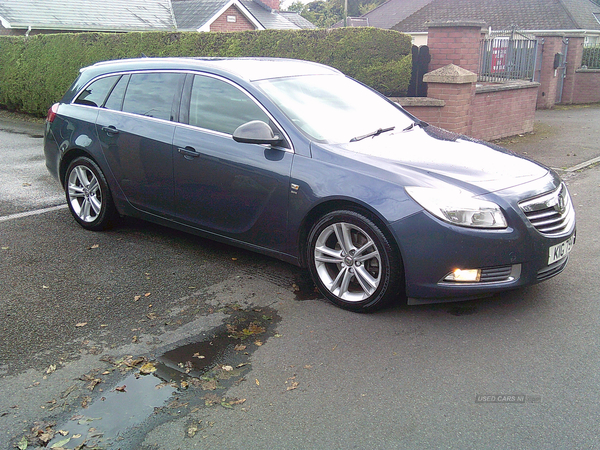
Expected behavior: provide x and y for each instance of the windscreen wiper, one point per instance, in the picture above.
(372, 134)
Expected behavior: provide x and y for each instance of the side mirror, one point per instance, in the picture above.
(255, 132)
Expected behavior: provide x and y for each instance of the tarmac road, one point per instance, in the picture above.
(73, 304)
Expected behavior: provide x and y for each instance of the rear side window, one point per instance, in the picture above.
(219, 106)
(152, 94)
(96, 92)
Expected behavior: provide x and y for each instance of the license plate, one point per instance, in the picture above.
(560, 251)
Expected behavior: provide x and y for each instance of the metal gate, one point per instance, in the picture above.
(508, 55)
(560, 66)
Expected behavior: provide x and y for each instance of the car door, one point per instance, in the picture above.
(233, 189)
(136, 128)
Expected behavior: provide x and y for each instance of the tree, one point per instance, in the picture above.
(325, 13)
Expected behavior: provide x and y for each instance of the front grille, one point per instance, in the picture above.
(551, 213)
(552, 269)
(495, 274)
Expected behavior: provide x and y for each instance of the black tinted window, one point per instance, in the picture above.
(152, 94)
(219, 106)
(115, 99)
(96, 92)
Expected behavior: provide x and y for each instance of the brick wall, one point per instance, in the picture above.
(240, 24)
(587, 82)
(500, 111)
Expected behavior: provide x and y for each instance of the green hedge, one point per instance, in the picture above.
(36, 71)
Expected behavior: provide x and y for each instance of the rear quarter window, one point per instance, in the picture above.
(95, 93)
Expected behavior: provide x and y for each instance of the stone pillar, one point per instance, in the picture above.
(574, 57)
(456, 42)
(456, 87)
(552, 44)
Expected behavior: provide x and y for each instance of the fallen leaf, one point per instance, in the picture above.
(22, 445)
(136, 298)
(227, 368)
(46, 437)
(63, 432)
(134, 339)
(94, 246)
(258, 343)
(147, 294)
(198, 355)
(257, 382)
(192, 430)
(148, 368)
(51, 369)
(81, 324)
(293, 386)
(121, 388)
(60, 443)
(239, 348)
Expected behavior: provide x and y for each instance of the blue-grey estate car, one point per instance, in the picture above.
(295, 160)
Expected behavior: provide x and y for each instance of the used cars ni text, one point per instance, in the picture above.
(295, 160)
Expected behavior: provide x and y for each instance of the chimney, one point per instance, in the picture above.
(273, 4)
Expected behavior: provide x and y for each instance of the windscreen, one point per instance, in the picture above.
(332, 108)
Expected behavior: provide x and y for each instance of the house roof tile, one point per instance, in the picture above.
(506, 14)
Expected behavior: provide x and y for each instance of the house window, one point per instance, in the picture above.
(231, 19)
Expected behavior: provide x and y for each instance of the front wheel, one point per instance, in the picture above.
(352, 262)
(88, 195)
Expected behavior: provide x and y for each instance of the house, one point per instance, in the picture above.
(235, 15)
(531, 16)
(24, 17)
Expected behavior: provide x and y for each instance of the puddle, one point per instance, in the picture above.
(304, 287)
(192, 376)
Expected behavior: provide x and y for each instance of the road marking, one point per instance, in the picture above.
(32, 213)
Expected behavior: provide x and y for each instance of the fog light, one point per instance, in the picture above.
(464, 275)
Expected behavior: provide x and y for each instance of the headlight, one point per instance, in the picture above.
(458, 207)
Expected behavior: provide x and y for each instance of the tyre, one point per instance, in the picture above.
(352, 262)
(88, 195)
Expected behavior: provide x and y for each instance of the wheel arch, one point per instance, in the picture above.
(67, 158)
(318, 211)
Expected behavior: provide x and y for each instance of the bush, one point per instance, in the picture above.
(591, 57)
(36, 71)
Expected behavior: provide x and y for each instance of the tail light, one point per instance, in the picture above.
(52, 113)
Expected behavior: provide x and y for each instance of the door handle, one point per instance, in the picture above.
(110, 130)
(188, 152)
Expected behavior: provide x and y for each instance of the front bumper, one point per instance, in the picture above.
(517, 256)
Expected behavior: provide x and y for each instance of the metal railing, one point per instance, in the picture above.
(508, 55)
(591, 57)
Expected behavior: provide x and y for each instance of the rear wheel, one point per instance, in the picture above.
(88, 195)
(352, 262)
